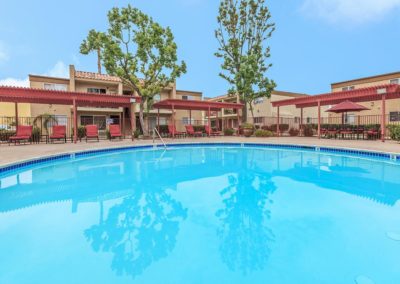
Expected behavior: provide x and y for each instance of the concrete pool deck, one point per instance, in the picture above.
(13, 154)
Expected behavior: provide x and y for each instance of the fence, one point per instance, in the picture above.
(361, 122)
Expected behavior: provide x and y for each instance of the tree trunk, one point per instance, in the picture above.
(252, 112)
(99, 61)
(244, 113)
(141, 118)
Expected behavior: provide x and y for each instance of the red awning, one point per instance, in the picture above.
(375, 93)
(195, 105)
(347, 106)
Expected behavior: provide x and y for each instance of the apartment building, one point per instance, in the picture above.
(392, 106)
(263, 111)
(89, 82)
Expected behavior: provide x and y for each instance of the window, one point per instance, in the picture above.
(55, 87)
(395, 81)
(258, 120)
(258, 101)
(394, 116)
(99, 120)
(62, 119)
(96, 90)
(348, 88)
(186, 121)
(186, 98)
(349, 119)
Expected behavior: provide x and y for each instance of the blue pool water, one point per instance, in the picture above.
(202, 215)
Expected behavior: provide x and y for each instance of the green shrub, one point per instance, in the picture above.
(36, 134)
(197, 128)
(163, 129)
(229, 132)
(137, 133)
(294, 132)
(5, 134)
(308, 130)
(263, 133)
(394, 131)
(108, 134)
(247, 126)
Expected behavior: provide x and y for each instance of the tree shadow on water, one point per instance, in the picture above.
(245, 237)
(138, 231)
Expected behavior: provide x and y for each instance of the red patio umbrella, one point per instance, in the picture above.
(347, 106)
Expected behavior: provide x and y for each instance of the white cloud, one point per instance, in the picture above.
(60, 69)
(13, 82)
(350, 11)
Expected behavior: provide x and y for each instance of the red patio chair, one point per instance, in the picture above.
(92, 132)
(24, 133)
(59, 133)
(211, 132)
(173, 132)
(190, 131)
(115, 131)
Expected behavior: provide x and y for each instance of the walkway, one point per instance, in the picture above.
(12, 154)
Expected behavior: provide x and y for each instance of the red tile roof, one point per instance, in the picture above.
(96, 76)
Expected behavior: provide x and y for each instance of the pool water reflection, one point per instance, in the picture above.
(201, 215)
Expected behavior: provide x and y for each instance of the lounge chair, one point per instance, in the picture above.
(115, 131)
(59, 133)
(172, 131)
(92, 132)
(190, 131)
(24, 133)
(211, 132)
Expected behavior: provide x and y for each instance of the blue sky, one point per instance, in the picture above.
(317, 42)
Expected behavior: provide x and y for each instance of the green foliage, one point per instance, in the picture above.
(137, 133)
(81, 132)
(308, 130)
(36, 134)
(141, 52)
(229, 132)
(108, 134)
(294, 132)
(93, 42)
(282, 127)
(5, 134)
(244, 27)
(45, 120)
(263, 133)
(199, 128)
(394, 131)
(247, 126)
(163, 129)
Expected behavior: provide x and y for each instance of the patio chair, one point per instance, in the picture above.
(190, 131)
(372, 134)
(92, 132)
(24, 133)
(173, 132)
(59, 133)
(115, 131)
(211, 132)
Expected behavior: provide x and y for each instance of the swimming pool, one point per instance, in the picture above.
(202, 214)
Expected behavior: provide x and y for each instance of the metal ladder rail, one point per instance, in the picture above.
(155, 131)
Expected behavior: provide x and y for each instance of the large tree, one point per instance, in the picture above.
(243, 31)
(93, 42)
(142, 53)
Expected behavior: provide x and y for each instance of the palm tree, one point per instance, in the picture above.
(45, 120)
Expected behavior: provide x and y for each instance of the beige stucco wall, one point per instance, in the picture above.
(374, 106)
(8, 109)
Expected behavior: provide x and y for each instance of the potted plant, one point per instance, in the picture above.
(248, 129)
(229, 132)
